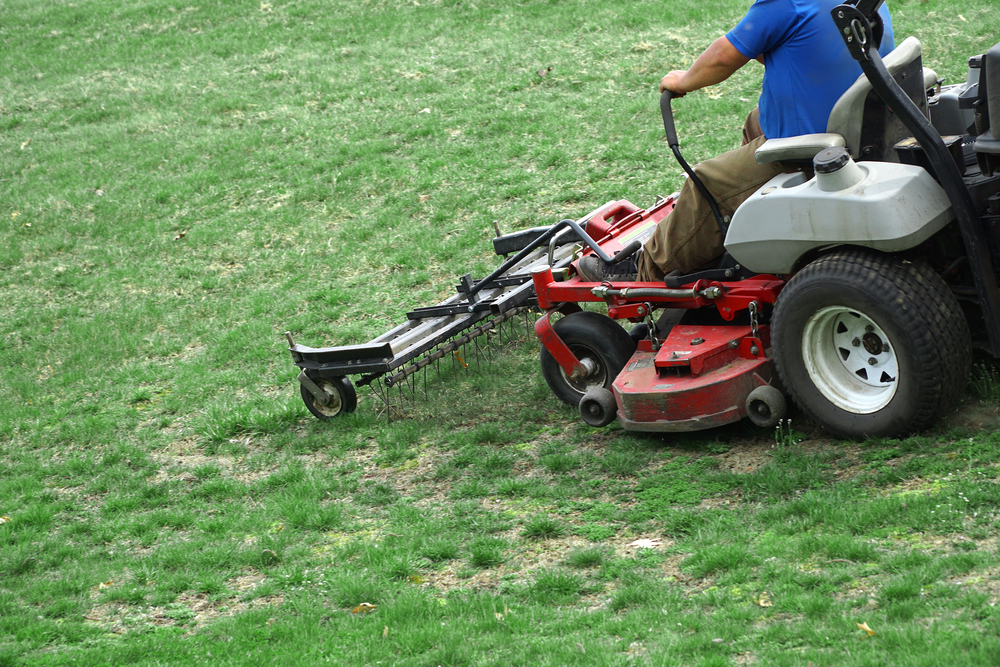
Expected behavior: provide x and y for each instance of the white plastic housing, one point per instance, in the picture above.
(893, 207)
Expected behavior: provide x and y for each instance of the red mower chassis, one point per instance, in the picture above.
(699, 378)
(695, 377)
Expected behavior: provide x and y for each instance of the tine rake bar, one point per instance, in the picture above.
(453, 345)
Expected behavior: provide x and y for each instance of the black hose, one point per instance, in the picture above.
(652, 293)
(671, 132)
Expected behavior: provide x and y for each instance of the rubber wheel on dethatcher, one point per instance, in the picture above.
(343, 397)
(870, 345)
(589, 336)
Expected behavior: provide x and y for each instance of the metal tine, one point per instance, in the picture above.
(490, 345)
(379, 393)
(388, 405)
(496, 332)
(486, 346)
(497, 341)
(480, 350)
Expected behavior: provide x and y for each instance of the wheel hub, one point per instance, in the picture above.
(331, 409)
(849, 359)
(873, 344)
(594, 373)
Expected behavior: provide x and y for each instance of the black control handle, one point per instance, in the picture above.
(668, 118)
(668, 127)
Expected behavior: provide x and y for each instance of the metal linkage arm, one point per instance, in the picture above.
(542, 239)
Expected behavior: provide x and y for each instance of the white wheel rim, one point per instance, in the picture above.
(850, 360)
(333, 408)
(590, 381)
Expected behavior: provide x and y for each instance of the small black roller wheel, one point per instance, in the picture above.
(870, 345)
(599, 343)
(766, 406)
(639, 333)
(598, 407)
(343, 398)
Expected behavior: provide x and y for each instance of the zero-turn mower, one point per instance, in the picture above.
(858, 286)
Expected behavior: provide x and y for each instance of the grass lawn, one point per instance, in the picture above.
(180, 184)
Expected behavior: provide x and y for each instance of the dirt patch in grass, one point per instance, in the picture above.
(975, 416)
(747, 456)
(189, 610)
(985, 581)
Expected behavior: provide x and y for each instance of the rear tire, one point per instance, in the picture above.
(870, 345)
(588, 335)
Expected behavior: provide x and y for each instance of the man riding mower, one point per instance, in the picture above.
(859, 234)
(862, 269)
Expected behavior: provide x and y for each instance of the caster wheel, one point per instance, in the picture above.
(598, 407)
(766, 406)
(590, 336)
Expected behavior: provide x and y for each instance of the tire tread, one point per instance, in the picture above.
(927, 309)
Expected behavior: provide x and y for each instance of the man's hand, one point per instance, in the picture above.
(672, 82)
(716, 64)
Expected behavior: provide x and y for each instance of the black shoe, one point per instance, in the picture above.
(593, 269)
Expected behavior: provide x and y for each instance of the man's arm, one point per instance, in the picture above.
(717, 63)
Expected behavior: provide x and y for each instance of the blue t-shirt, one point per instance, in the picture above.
(806, 64)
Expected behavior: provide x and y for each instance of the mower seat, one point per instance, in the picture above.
(987, 146)
(847, 119)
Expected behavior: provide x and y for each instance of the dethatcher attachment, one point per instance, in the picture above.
(432, 334)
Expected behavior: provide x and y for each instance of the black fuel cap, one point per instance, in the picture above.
(830, 160)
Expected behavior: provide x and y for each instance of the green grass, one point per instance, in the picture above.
(180, 185)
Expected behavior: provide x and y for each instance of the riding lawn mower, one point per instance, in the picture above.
(857, 286)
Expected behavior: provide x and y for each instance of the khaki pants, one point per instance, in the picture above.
(689, 237)
(751, 127)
